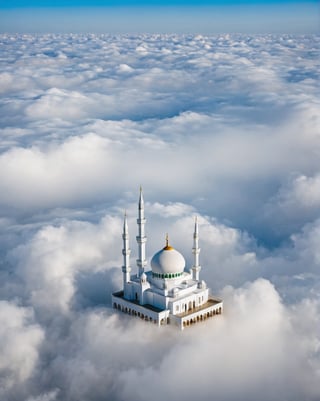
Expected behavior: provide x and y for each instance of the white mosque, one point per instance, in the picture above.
(166, 293)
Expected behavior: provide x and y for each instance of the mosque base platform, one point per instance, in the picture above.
(145, 312)
(161, 317)
(201, 313)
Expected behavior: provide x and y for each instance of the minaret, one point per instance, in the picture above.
(141, 238)
(196, 250)
(126, 269)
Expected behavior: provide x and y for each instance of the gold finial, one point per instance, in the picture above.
(167, 247)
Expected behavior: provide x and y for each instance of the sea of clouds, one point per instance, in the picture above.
(226, 128)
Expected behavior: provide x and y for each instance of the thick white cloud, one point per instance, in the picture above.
(225, 128)
(20, 339)
(250, 348)
(52, 261)
(258, 343)
(296, 202)
(35, 177)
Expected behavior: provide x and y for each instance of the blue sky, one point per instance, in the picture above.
(174, 16)
(102, 3)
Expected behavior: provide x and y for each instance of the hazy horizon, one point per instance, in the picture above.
(208, 18)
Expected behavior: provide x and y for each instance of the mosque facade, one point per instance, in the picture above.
(166, 294)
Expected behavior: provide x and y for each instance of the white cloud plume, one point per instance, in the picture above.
(52, 261)
(296, 202)
(247, 350)
(20, 339)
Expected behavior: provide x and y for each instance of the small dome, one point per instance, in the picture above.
(168, 261)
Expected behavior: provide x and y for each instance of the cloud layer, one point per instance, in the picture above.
(223, 127)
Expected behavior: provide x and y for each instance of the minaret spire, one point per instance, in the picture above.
(126, 269)
(196, 250)
(141, 238)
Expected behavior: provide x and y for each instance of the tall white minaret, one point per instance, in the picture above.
(141, 238)
(196, 250)
(126, 269)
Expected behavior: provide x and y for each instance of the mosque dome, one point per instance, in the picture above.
(167, 261)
